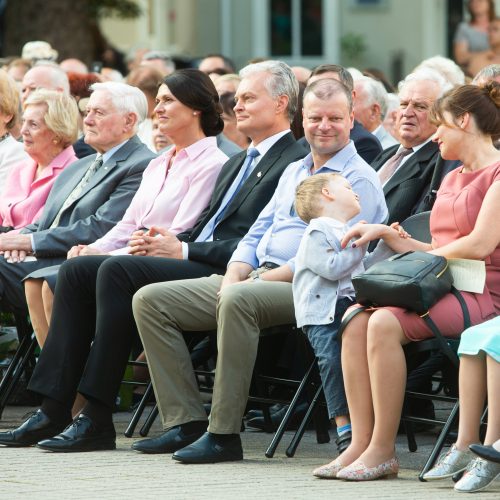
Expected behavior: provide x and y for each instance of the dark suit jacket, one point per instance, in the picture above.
(367, 145)
(245, 206)
(410, 183)
(100, 205)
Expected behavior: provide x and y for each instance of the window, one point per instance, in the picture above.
(296, 28)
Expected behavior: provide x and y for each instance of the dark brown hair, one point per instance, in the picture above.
(491, 11)
(196, 90)
(481, 102)
(344, 76)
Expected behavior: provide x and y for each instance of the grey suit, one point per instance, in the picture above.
(95, 211)
(227, 146)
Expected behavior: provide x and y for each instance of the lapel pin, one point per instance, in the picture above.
(259, 174)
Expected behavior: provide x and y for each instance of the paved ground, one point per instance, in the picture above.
(32, 473)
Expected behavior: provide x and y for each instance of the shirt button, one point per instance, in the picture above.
(318, 296)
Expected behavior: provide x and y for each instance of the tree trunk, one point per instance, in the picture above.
(65, 24)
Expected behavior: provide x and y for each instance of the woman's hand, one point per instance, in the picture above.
(364, 233)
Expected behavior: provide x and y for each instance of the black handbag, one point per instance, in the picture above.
(412, 280)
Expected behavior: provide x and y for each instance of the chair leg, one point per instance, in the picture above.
(410, 436)
(149, 421)
(438, 446)
(16, 368)
(294, 443)
(129, 431)
(271, 449)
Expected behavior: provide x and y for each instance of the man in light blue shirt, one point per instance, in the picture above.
(255, 292)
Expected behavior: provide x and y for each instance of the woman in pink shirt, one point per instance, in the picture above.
(49, 128)
(175, 189)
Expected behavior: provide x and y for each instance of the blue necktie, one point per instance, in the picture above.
(245, 171)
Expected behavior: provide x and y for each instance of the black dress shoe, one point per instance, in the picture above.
(255, 413)
(210, 449)
(487, 452)
(81, 435)
(38, 426)
(172, 440)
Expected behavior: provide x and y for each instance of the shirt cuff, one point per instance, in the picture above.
(33, 248)
(185, 250)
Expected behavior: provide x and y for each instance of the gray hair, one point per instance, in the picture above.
(281, 81)
(125, 98)
(325, 88)
(160, 54)
(375, 92)
(487, 74)
(446, 67)
(58, 76)
(428, 74)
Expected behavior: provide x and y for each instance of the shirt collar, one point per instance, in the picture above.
(420, 146)
(337, 162)
(264, 146)
(110, 152)
(194, 150)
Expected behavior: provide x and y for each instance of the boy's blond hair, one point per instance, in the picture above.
(308, 201)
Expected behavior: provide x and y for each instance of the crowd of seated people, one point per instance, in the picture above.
(238, 225)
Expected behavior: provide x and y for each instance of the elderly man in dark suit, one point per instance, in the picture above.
(88, 198)
(92, 327)
(405, 170)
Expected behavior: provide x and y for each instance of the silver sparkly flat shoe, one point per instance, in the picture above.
(449, 464)
(479, 475)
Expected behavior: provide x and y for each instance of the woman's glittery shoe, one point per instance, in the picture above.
(449, 464)
(358, 471)
(479, 475)
(328, 471)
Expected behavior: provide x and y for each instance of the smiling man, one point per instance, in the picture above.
(254, 293)
(405, 170)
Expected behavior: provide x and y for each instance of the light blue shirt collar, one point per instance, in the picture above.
(110, 152)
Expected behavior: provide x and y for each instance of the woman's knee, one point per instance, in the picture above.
(383, 331)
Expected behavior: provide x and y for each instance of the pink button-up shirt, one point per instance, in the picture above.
(24, 197)
(172, 198)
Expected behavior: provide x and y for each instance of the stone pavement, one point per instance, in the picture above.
(124, 474)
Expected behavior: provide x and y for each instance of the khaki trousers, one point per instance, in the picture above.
(164, 310)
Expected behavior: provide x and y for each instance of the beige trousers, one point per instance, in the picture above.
(164, 310)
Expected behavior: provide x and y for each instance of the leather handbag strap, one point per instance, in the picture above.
(346, 319)
(443, 344)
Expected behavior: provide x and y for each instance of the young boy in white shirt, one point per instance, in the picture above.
(322, 287)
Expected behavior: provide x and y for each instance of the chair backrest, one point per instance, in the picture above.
(418, 226)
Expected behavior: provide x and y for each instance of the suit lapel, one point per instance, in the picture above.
(384, 156)
(259, 172)
(412, 167)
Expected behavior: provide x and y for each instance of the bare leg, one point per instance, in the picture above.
(387, 374)
(493, 374)
(357, 386)
(48, 301)
(472, 391)
(33, 291)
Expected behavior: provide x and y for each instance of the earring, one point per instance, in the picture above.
(55, 141)
(195, 113)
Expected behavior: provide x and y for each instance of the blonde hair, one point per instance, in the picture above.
(9, 103)
(308, 202)
(62, 113)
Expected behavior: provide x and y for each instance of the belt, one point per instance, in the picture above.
(269, 265)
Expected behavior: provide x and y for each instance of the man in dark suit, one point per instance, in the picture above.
(85, 202)
(367, 145)
(405, 170)
(92, 327)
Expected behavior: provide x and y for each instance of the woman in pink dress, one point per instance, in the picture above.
(49, 129)
(463, 225)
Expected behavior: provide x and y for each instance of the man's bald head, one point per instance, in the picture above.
(45, 76)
